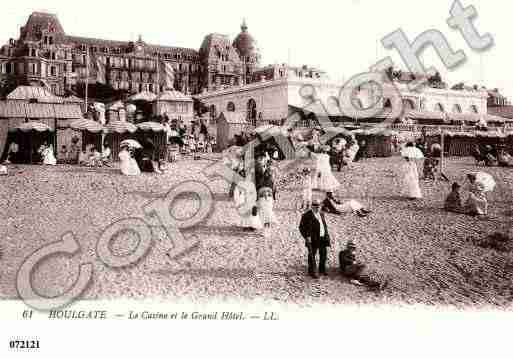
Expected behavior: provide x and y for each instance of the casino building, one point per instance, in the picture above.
(45, 55)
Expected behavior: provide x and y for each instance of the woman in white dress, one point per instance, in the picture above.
(265, 206)
(411, 187)
(248, 212)
(324, 179)
(128, 164)
(48, 156)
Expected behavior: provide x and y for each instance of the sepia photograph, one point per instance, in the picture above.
(254, 156)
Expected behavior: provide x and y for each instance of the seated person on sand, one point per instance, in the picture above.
(505, 159)
(453, 202)
(490, 159)
(476, 203)
(106, 155)
(354, 270)
(331, 205)
(95, 158)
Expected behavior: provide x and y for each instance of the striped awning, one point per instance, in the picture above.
(31, 126)
(121, 127)
(68, 111)
(84, 124)
(12, 109)
(27, 93)
(143, 96)
(115, 105)
(39, 110)
(73, 99)
(151, 126)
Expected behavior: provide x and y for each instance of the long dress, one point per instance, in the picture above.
(476, 202)
(128, 164)
(247, 219)
(48, 156)
(265, 209)
(411, 185)
(324, 179)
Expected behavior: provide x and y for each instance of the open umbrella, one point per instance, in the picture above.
(412, 153)
(486, 180)
(85, 124)
(130, 143)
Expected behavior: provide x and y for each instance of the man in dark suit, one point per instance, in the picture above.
(314, 230)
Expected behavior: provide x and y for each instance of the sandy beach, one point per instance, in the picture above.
(427, 256)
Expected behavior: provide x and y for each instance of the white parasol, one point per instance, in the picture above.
(130, 143)
(486, 180)
(412, 152)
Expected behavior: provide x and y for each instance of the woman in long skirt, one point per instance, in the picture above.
(411, 187)
(324, 179)
(248, 212)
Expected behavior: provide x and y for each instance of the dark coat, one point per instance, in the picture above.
(310, 227)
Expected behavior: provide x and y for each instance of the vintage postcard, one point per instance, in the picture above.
(172, 166)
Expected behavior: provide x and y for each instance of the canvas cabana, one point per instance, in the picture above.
(30, 136)
(272, 136)
(144, 102)
(91, 131)
(153, 133)
(229, 124)
(118, 131)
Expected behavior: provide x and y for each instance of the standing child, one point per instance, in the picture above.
(265, 206)
(307, 189)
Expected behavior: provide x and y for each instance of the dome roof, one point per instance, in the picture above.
(244, 42)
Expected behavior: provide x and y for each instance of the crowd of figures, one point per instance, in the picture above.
(318, 186)
(492, 155)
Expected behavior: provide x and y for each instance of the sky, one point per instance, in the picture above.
(341, 37)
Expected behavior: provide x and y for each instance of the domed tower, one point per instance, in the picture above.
(248, 52)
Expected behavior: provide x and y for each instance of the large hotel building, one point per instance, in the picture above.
(45, 55)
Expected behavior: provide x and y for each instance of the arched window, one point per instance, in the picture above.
(252, 112)
(456, 108)
(439, 107)
(474, 109)
(387, 103)
(230, 107)
(408, 104)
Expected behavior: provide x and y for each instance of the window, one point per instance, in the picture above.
(46, 40)
(150, 87)
(8, 68)
(230, 107)
(53, 55)
(33, 52)
(439, 107)
(50, 40)
(456, 108)
(52, 70)
(33, 68)
(474, 109)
